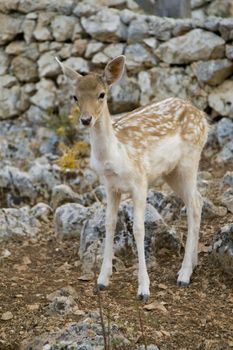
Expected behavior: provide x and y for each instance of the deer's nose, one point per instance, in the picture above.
(86, 120)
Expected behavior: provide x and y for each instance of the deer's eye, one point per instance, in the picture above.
(101, 95)
(74, 98)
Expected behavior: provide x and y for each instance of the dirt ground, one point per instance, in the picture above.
(198, 317)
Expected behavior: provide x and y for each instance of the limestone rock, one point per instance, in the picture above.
(8, 6)
(42, 31)
(105, 26)
(92, 48)
(193, 46)
(84, 9)
(226, 153)
(229, 52)
(114, 50)
(138, 30)
(70, 218)
(61, 6)
(21, 48)
(210, 210)
(47, 65)
(100, 58)
(227, 199)
(125, 96)
(221, 249)
(42, 212)
(15, 222)
(7, 81)
(24, 69)
(11, 178)
(10, 27)
(45, 96)
(28, 27)
(137, 56)
(176, 81)
(63, 27)
(226, 28)
(5, 61)
(224, 131)
(220, 98)
(213, 72)
(228, 178)
(79, 64)
(62, 194)
(9, 99)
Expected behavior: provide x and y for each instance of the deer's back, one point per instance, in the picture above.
(156, 121)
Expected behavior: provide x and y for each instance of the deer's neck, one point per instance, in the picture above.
(102, 138)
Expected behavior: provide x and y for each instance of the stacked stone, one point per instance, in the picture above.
(165, 57)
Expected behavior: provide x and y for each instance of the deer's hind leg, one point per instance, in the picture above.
(183, 180)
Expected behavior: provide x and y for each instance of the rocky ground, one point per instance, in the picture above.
(52, 229)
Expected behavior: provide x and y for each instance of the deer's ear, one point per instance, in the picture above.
(70, 74)
(114, 70)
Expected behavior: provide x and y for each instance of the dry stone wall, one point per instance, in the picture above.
(191, 58)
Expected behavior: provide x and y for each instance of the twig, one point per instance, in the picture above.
(142, 329)
(99, 300)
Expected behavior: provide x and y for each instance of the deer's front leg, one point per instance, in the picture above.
(113, 201)
(139, 200)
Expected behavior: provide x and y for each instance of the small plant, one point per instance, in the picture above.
(64, 124)
(71, 156)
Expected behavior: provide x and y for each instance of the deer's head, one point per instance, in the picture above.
(90, 91)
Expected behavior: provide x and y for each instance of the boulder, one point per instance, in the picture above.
(62, 194)
(70, 218)
(17, 181)
(93, 47)
(45, 97)
(79, 64)
(7, 81)
(227, 199)
(211, 211)
(228, 178)
(9, 100)
(28, 27)
(157, 234)
(19, 47)
(226, 28)
(138, 56)
(83, 335)
(224, 131)
(114, 50)
(221, 250)
(42, 212)
(20, 222)
(61, 6)
(196, 45)
(176, 82)
(138, 30)
(220, 99)
(5, 61)
(226, 155)
(24, 69)
(47, 65)
(63, 27)
(213, 72)
(10, 27)
(229, 52)
(105, 26)
(124, 97)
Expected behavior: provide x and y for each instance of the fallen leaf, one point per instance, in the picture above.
(87, 277)
(33, 307)
(155, 306)
(162, 286)
(4, 254)
(7, 316)
(26, 260)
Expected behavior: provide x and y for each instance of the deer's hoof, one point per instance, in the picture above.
(99, 287)
(144, 297)
(182, 284)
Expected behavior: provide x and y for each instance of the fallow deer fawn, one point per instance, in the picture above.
(163, 139)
